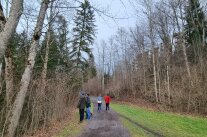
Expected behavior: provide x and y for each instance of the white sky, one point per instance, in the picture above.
(107, 26)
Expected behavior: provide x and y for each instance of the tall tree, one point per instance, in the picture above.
(195, 30)
(83, 33)
(10, 26)
(151, 29)
(26, 77)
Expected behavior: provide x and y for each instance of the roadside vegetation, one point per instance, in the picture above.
(73, 128)
(163, 123)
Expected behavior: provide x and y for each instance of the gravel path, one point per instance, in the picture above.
(104, 124)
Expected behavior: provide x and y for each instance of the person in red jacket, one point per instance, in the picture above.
(107, 99)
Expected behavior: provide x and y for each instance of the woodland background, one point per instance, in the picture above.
(46, 57)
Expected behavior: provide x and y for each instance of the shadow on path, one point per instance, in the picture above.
(142, 127)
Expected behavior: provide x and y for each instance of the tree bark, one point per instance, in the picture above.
(19, 100)
(103, 61)
(44, 71)
(155, 74)
(2, 25)
(148, 5)
(10, 26)
(9, 77)
(185, 58)
(9, 65)
(168, 84)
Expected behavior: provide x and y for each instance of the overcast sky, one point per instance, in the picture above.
(107, 26)
(119, 9)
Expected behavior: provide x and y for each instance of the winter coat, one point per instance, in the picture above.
(107, 99)
(88, 102)
(81, 103)
(99, 100)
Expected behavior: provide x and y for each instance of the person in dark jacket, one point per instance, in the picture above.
(88, 107)
(81, 105)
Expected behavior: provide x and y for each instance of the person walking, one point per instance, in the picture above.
(107, 99)
(88, 107)
(81, 105)
(99, 100)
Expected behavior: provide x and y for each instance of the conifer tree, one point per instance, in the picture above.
(195, 30)
(83, 34)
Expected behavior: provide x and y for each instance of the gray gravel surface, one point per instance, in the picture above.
(104, 124)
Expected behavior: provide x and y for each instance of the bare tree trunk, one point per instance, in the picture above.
(155, 75)
(43, 77)
(183, 45)
(9, 65)
(2, 18)
(148, 5)
(44, 71)
(19, 101)
(99, 73)
(10, 26)
(144, 58)
(9, 77)
(103, 61)
(186, 59)
(2, 25)
(168, 84)
(1, 79)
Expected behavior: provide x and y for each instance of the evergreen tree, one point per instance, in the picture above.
(54, 55)
(83, 34)
(63, 40)
(58, 51)
(90, 70)
(195, 30)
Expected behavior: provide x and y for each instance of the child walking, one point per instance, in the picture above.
(99, 100)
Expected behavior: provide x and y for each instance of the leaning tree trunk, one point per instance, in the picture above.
(8, 67)
(10, 26)
(2, 25)
(19, 100)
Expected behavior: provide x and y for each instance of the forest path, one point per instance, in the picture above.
(104, 124)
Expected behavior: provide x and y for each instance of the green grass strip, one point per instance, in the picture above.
(166, 124)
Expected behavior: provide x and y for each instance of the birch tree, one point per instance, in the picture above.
(148, 5)
(19, 100)
(163, 22)
(2, 25)
(10, 26)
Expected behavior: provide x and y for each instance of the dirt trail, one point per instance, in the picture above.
(104, 124)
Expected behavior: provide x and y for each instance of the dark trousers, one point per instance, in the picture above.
(107, 106)
(81, 112)
(99, 106)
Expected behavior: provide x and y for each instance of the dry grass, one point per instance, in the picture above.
(67, 126)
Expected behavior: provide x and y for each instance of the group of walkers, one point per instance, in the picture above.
(85, 103)
(107, 100)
